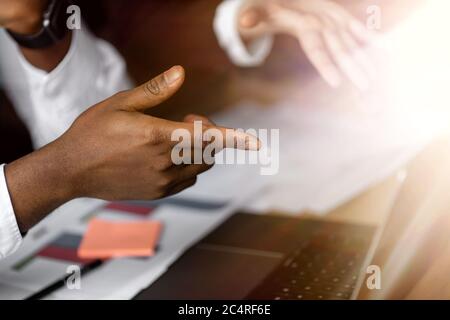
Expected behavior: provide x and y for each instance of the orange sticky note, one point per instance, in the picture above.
(112, 239)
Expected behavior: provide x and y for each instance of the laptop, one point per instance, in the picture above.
(272, 257)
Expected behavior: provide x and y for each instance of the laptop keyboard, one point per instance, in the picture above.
(325, 267)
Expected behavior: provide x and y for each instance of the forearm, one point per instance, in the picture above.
(49, 58)
(38, 184)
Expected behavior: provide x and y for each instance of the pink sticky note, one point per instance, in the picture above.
(112, 239)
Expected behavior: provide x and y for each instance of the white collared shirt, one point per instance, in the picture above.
(48, 103)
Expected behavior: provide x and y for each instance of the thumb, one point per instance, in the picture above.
(155, 91)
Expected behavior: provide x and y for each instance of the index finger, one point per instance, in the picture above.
(198, 134)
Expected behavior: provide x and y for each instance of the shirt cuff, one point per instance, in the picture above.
(227, 33)
(10, 237)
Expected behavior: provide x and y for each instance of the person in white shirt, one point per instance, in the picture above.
(332, 39)
(113, 151)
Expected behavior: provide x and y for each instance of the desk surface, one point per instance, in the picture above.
(285, 72)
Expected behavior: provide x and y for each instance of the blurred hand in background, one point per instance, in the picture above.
(332, 39)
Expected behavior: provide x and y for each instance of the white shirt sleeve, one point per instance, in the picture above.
(48, 103)
(227, 33)
(10, 237)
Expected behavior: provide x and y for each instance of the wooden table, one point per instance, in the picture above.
(155, 35)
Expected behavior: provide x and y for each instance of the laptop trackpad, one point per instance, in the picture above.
(213, 272)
